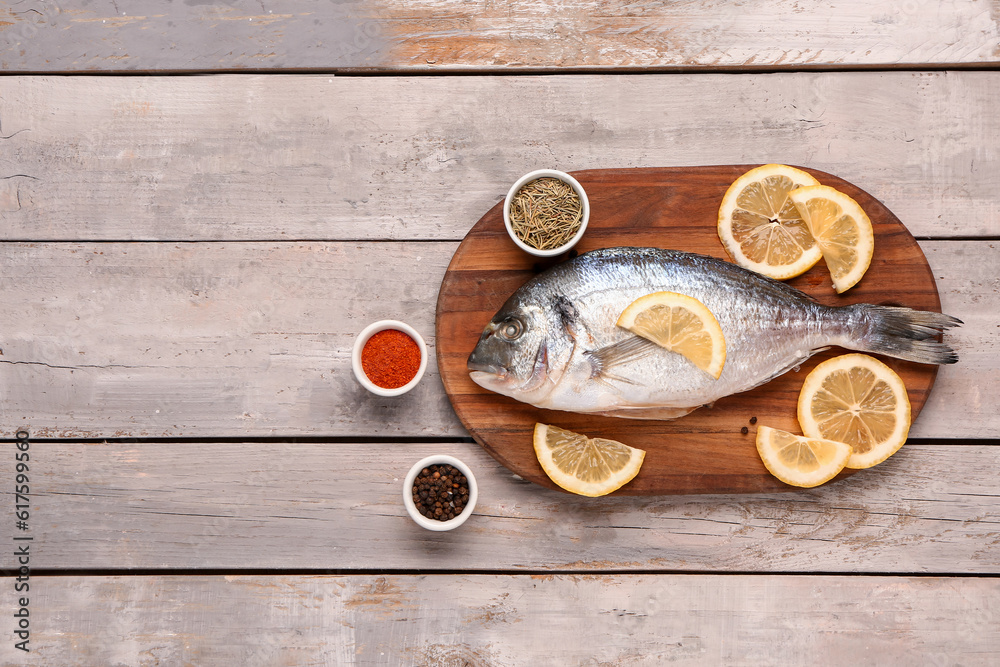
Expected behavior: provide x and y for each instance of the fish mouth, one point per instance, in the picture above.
(481, 363)
(486, 368)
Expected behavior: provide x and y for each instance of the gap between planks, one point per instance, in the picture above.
(458, 71)
(472, 572)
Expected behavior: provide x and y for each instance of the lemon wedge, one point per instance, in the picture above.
(679, 323)
(585, 466)
(857, 400)
(798, 460)
(842, 231)
(761, 229)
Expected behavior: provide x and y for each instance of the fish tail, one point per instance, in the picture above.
(901, 332)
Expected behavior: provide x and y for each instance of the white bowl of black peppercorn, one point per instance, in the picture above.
(444, 501)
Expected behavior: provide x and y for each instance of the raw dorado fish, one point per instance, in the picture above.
(554, 343)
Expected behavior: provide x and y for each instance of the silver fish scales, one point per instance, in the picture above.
(555, 343)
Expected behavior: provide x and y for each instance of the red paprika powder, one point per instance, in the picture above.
(390, 359)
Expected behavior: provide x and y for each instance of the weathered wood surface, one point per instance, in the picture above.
(321, 158)
(307, 505)
(166, 339)
(690, 455)
(434, 35)
(464, 621)
(302, 179)
(238, 339)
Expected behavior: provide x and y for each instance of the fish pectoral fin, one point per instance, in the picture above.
(607, 378)
(631, 349)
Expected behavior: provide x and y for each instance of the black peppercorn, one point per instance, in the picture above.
(440, 492)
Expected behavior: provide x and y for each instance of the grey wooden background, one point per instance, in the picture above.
(202, 203)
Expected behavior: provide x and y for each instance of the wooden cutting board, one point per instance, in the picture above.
(676, 207)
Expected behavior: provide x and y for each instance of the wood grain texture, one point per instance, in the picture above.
(295, 209)
(238, 339)
(165, 339)
(480, 621)
(338, 506)
(322, 158)
(434, 35)
(694, 454)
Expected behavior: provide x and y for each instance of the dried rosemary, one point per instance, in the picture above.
(546, 213)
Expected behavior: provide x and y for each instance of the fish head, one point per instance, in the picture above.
(513, 355)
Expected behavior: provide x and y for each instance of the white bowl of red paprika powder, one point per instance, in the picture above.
(389, 358)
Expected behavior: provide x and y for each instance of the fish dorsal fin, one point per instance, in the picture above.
(624, 351)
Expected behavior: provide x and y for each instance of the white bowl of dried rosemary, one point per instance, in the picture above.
(546, 212)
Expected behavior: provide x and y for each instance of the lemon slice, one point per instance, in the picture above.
(858, 400)
(679, 323)
(842, 231)
(586, 466)
(761, 229)
(800, 461)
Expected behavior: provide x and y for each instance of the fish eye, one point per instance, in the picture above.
(511, 329)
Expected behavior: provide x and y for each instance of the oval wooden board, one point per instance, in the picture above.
(676, 207)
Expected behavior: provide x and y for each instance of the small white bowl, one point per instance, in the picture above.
(434, 524)
(359, 345)
(565, 178)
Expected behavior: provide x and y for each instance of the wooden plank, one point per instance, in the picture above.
(322, 158)
(254, 339)
(164, 339)
(309, 505)
(505, 620)
(434, 35)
